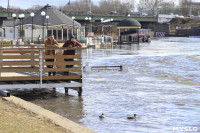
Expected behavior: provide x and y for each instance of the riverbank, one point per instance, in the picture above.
(18, 115)
(16, 119)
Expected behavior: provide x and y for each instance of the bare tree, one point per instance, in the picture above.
(167, 7)
(150, 5)
(104, 7)
(184, 6)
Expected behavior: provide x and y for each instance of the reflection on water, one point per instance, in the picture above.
(67, 106)
(162, 87)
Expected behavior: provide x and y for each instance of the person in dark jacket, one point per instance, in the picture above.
(71, 43)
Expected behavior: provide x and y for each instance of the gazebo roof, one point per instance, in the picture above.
(56, 18)
(129, 23)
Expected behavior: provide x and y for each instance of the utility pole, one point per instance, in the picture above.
(190, 8)
(8, 7)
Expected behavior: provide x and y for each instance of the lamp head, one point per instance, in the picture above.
(13, 15)
(43, 13)
(22, 15)
(32, 14)
(47, 17)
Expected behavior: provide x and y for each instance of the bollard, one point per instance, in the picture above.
(124, 68)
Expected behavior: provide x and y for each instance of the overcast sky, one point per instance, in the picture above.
(24, 4)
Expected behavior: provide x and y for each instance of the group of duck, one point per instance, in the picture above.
(128, 117)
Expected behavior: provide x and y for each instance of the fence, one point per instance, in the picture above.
(27, 68)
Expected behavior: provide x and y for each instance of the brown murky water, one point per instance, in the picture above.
(162, 86)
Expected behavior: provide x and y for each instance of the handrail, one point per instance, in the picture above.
(24, 49)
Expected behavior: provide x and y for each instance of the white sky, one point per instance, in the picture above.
(24, 4)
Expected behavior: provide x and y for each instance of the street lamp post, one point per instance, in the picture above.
(73, 25)
(32, 15)
(47, 17)
(21, 17)
(102, 27)
(14, 18)
(111, 26)
(43, 14)
(88, 19)
(90, 27)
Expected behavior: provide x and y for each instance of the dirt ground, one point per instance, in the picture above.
(14, 119)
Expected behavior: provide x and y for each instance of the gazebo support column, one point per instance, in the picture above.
(56, 34)
(138, 37)
(67, 34)
(76, 33)
(62, 33)
(119, 39)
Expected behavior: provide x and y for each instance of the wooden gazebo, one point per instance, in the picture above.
(128, 31)
(58, 24)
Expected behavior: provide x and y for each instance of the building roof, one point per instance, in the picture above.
(56, 19)
(129, 23)
(8, 23)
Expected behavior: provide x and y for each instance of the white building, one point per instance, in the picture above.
(165, 18)
(7, 31)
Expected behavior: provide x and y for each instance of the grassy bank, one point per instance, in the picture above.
(14, 119)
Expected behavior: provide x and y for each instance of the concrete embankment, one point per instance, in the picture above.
(59, 120)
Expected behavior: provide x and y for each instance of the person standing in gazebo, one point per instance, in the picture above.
(71, 43)
(39, 39)
(51, 43)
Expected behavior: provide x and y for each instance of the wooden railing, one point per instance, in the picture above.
(28, 64)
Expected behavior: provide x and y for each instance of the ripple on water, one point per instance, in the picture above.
(161, 87)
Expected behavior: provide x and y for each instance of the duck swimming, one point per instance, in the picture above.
(132, 117)
(101, 116)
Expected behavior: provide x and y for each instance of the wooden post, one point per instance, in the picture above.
(80, 91)
(66, 91)
(32, 52)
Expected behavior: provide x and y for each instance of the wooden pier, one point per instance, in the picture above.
(26, 68)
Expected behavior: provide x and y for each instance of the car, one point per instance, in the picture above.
(88, 13)
(113, 12)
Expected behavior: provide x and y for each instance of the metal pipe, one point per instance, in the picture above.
(32, 30)
(41, 68)
(43, 29)
(22, 29)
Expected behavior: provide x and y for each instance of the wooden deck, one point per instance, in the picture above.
(27, 68)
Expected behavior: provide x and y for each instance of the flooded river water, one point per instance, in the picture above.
(162, 86)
